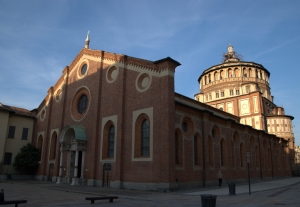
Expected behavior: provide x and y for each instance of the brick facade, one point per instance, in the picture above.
(122, 92)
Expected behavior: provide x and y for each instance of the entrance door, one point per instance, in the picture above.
(106, 174)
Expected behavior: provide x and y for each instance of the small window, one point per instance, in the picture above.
(217, 95)
(111, 141)
(24, 133)
(11, 132)
(222, 94)
(82, 104)
(210, 97)
(83, 69)
(237, 92)
(7, 158)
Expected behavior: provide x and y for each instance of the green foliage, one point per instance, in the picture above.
(28, 159)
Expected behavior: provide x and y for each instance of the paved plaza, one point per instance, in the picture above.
(283, 192)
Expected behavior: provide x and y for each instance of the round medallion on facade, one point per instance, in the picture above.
(58, 95)
(43, 115)
(187, 127)
(83, 69)
(80, 103)
(112, 74)
(143, 82)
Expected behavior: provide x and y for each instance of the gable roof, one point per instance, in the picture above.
(16, 110)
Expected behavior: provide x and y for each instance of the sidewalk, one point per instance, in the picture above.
(48, 194)
(255, 187)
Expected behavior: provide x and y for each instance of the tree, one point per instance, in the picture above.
(27, 160)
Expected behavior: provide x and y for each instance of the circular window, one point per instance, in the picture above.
(112, 74)
(43, 115)
(82, 104)
(58, 95)
(83, 69)
(143, 82)
(187, 127)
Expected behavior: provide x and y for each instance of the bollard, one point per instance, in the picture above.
(231, 187)
(2, 195)
(208, 200)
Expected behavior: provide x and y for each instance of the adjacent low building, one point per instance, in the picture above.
(16, 130)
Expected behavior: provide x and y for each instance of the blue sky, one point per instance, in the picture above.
(39, 38)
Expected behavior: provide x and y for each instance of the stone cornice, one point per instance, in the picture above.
(158, 66)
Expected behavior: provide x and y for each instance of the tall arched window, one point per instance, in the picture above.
(256, 156)
(216, 76)
(53, 146)
(232, 154)
(40, 145)
(108, 146)
(145, 138)
(242, 155)
(111, 141)
(223, 152)
(142, 137)
(210, 152)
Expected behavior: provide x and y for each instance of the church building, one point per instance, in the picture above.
(115, 121)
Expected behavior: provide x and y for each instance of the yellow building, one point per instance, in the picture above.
(16, 128)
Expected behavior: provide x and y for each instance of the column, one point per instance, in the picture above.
(75, 180)
(76, 164)
(60, 166)
(82, 163)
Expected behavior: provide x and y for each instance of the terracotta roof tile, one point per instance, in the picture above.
(16, 110)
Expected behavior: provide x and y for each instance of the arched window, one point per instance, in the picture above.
(178, 148)
(40, 145)
(142, 136)
(230, 73)
(221, 74)
(256, 156)
(111, 141)
(145, 138)
(232, 154)
(242, 155)
(223, 152)
(53, 146)
(236, 73)
(210, 152)
(216, 76)
(108, 148)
